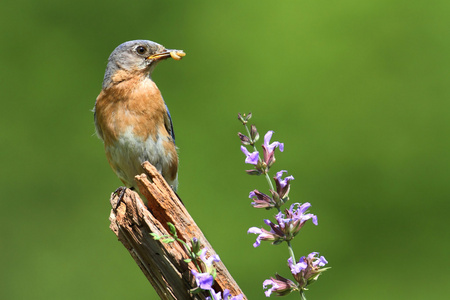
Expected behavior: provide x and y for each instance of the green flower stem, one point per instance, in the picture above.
(291, 251)
(249, 135)
(269, 181)
(272, 188)
(191, 255)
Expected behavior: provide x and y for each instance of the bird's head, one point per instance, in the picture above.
(139, 56)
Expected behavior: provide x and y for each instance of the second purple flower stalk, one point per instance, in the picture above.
(288, 223)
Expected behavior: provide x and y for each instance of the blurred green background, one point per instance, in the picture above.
(357, 90)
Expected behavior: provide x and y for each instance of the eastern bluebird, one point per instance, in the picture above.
(131, 116)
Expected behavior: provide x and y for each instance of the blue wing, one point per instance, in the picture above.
(169, 125)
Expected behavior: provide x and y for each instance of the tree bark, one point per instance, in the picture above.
(163, 264)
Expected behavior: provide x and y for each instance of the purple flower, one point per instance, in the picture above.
(298, 267)
(283, 185)
(294, 219)
(280, 286)
(272, 289)
(204, 280)
(307, 269)
(209, 261)
(299, 213)
(269, 149)
(317, 261)
(258, 231)
(285, 181)
(251, 158)
(263, 235)
(287, 227)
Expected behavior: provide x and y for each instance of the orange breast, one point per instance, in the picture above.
(136, 103)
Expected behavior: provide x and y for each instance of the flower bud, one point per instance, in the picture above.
(244, 139)
(261, 200)
(195, 245)
(254, 133)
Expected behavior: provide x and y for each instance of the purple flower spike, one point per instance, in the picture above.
(251, 158)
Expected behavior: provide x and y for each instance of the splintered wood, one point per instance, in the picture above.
(162, 264)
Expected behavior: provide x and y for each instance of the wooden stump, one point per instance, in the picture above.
(162, 264)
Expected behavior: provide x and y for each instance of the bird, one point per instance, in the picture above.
(130, 114)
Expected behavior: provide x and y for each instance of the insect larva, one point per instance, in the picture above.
(177, 55)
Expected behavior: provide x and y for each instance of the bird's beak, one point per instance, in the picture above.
(175, 54)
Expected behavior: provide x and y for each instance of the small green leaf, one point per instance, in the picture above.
(168, 240)
(172, 229)
(155, 236)
(196, 290)
(187, 260)
(213, 273)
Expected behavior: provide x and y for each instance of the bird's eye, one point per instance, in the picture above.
(141, 49)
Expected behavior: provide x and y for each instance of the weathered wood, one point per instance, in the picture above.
(162, 264)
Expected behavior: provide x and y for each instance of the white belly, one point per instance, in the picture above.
(130, 151)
